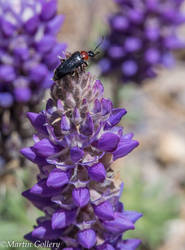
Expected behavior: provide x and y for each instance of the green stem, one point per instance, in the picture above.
(116, 94)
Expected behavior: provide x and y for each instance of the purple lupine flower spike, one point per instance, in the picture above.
(28, 48)
(77, 138)
(142, 36)
(28, 56)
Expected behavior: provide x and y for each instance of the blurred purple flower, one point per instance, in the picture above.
(77, 138)
(27, 42)
(28, 56)
(142, 36)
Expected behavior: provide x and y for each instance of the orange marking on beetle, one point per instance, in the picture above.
(84, 55)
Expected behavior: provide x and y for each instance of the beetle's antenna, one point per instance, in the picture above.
(98, 52)
(98, 45)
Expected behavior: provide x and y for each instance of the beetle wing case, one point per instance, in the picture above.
(69, 65)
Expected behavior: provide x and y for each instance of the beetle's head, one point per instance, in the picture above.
(92, 54)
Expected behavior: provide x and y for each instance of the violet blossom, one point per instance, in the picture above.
(77, 139)
(28, 56)
(142, 36)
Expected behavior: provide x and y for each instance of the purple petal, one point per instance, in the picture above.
(46, 44)
(120, 23)
(45, 231)
(125, 146)
(135, 16)
(49, 9)
(130, 244)
(32, 24)
(132, 215)
(152, 33)
(173, 42)
(41, 189)
(22, 94)
(88, 126)
(51, 58)
(65, 123)
(108, 142)
(7, 28)
(132, 44)
(168, 60)
(105, 65)
(151, 5)
(104, 211)
(97, 106)
(115, 117)
(116, 52)
(28, 153)
(47, 82)
(97, 172)
(61, 218)
(37, 201)
(55, 24)
(152, 56)
(34, 240)
(38, 121)
(7, 73)
(60, 105)
(105, 247)
(50, 106)
(22, 53)
(120, 224)
(129, 68)
(57, 178)
(76, 116)
(76, 154)
(45, 148)
(39, 232)
(6, 100)
(87, 238)
(31, 155)
(58, 220)
(106, 106)
(98, 88)
(38, 73)
(81, 196)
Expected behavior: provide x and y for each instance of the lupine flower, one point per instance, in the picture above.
(77, 138)
(28, 49)
(28, 55)
(142, 36)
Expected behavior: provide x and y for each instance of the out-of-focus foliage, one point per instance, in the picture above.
(15, 214)
(157, 207)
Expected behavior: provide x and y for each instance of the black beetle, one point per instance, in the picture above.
(77, 59)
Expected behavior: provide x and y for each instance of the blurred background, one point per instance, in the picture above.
(154, 174)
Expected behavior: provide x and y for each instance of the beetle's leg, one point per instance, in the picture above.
(81, 67)
(85, 63)
(61, 59)
(73, 73)
(68, 54)
(76, 73)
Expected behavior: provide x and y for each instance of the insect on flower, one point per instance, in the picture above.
(74, 61)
